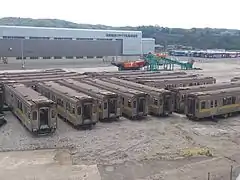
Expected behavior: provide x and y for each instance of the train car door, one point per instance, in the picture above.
(112, 107)
(191, 106)
(43, 116)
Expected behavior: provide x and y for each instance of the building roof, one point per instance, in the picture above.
(59, 32)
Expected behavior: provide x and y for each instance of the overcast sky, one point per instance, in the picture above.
(170, 13)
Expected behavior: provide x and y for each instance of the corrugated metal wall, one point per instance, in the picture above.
(62, 48)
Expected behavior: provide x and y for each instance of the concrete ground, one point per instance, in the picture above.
(172, 148)
(52, 63)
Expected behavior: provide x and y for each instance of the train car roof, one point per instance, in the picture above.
(214, 92)
(40, 76)
(41, 80)
(205, 86)
(130, 83)
(179, 79)
(92, 88)
(166, 77)
(66, 90)
(29, 94)
(114, 86)
(132, 72)
(152, 75)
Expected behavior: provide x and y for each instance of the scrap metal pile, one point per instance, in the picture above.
(38, 98)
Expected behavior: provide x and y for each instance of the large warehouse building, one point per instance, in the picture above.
(57, 43)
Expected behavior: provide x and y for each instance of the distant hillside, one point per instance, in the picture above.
(204, 38)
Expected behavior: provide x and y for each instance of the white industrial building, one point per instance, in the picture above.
(54, 43)
(148, 45)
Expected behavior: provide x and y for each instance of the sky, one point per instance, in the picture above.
(167, 13)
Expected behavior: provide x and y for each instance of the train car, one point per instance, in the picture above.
(33, 74)
(126, 77)
(222, 102)
(160, 100)
(1, 97)
(36, 112)
(2, 120)
(40, 76)
(25, 73)
(139, 79)
(180, 82)
(33, 82)
(109, 102)
(134, 103)
(132, 73)
(77, 108)
(180, 92)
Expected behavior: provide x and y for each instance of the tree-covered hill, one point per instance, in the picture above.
(203, 38)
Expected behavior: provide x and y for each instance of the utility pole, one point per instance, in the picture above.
(23, 62)
(231, 172)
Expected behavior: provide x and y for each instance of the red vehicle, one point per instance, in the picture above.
(131, 65)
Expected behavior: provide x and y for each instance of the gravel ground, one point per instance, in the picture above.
(151, 149)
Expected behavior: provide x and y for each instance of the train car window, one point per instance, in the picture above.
(233, 100)
(53, 98)
(229, 100)
(67, 106)
(123, 101)
(215, 103)
(203, 105)
(212, 104)
(183, 96)
(29, 115)
(73, 110)
(105, 105)
(21, 107)
(129, 104)
(53, 113)
(155, 102)
(224, 101)
(197, 105)
(190, 84)
(198, 83)
(60, 102)
(134, 104)
(160, 102)
(79, 110)
(25, 109)
(34, 115)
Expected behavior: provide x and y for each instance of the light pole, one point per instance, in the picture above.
(23, 62)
